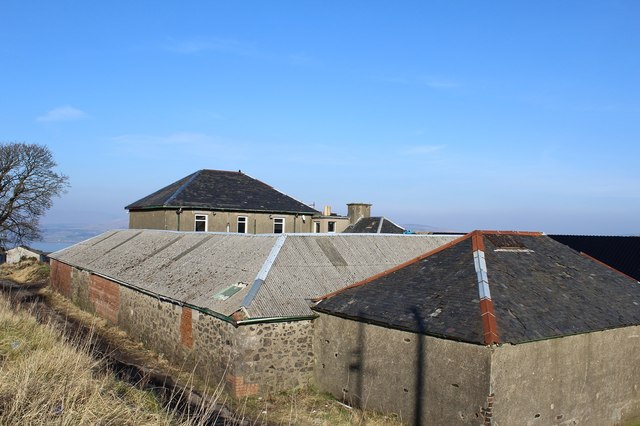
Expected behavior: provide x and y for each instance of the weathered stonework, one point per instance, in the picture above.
(248, 359)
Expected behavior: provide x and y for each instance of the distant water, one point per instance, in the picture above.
(49, 247)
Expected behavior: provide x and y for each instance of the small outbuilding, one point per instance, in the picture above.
(232, 307)
(504, 328)
(19, 253)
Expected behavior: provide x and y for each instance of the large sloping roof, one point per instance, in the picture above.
(222, 190)
(621, 253)
(490, 287)
(374, 225)
(268, 275)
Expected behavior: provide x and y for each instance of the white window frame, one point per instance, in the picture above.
(245, 221)
(197, 218)
(316, 227)
(329, 223)
(279, 220)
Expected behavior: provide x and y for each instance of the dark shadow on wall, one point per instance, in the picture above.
(421, 368)
(356, 368)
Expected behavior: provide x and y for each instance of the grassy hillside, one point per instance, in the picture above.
(47, 380)
(48, 376)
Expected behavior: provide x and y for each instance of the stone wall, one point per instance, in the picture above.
(247, 359)
(421, 378)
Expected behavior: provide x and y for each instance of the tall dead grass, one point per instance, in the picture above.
(46, 380)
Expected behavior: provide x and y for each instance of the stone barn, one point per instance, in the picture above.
(232, 307)
(498, 328)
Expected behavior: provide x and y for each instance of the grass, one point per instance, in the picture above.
(308, 406)
(48, 378)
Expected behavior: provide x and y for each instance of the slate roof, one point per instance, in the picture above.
(621, 253)
(491, 287)
(374, 225)
(269, 275)
(222, 190)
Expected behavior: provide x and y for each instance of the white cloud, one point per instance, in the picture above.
(63, 113)
(437, 83)
(211, 44)
(173, 139)
(425, 149)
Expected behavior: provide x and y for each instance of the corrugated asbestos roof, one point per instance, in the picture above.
(202, 269)
(490, 287)
(222, 190)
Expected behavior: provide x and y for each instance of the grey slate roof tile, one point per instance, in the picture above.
(539, 289)
(222, 190)
(374, 225)
(621, 253)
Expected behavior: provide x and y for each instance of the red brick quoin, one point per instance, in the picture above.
(61, 278)
(186, 327)
(105, 297)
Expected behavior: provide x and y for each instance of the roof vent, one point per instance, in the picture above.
(508, 243)
(229, 291)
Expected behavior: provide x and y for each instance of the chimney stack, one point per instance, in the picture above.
(326, 211)
(357, 211)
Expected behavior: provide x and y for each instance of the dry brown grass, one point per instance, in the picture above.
(26, 271)
(308, 406)
(46, 380)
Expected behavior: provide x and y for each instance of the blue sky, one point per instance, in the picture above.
(458, 115)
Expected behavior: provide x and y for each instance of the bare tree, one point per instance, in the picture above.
(28, 184)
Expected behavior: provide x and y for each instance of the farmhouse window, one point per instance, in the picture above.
(278, 225)
(242, 224)
(201, 223)
(331, 227)
(316, 227)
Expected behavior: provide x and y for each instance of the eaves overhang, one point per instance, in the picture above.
(313, 213)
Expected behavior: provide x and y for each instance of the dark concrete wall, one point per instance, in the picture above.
(587, 379)
(422, 379)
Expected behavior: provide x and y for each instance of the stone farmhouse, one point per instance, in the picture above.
(494, 328)
(232, 307)
(227, 201)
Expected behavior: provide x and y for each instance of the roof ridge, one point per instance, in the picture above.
(264, 271)
(522, 233)
(487, 312)
(397, 267)
(182, 187)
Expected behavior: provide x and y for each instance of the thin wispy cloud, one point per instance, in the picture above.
(63, 113)
(421, 80)
(235, 47)
(437, 83)
(173, 139)
(211, 44)
(424, 149)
